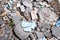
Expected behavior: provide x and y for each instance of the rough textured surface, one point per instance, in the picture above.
(56, 30)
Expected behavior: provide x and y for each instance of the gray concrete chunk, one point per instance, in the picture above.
(20, 33)
(56, 31)
(40, 35)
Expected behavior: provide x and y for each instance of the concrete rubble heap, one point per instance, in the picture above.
(30, 19)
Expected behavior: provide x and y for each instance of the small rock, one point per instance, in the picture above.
(22, 8)
(2, 22)
(40, 35)
(56, 31)
(43, 38)
(53, 38)
(44, 25)
(28, 26)
(27, 3)
(47, 34)
(46, 15)
(16, 19)
(19, 32)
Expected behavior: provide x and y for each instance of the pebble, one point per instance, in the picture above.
(22, 8)
(47, 34)
(28, 26)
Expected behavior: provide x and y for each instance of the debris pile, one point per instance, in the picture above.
(30, 19)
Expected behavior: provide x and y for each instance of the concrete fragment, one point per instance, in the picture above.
(22, 8)
(47, 34)
(39, 0)
(56, 31)
(1, 8)
(43, 38)
(40, 35)
(44, 25)
(18, 4)
(28, 26)
(1, 23)
(27, 3)
(49, 1)
(19, 32)
(53, 38)
(34, 14)
(47, 15)
(16, 19)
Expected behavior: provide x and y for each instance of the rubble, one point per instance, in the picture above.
(29, 20)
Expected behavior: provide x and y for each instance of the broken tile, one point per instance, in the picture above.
(34, 14)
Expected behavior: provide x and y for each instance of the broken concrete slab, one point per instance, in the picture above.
(44, 25)
(28, 26)
(20, 33)
(46, 15)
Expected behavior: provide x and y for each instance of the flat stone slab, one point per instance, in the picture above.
(56, 31)
(20, 33)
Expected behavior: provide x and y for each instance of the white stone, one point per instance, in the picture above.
(28, 4)
(18, 4)
(22, 8)
(49, 1)
(28, 26)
